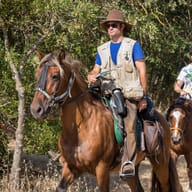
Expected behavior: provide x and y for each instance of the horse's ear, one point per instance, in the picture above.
(39, 54)
(61, 55)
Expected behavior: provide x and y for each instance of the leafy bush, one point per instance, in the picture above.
(40, 137)
(3, 151)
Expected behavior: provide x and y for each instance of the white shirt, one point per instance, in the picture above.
(185, 75)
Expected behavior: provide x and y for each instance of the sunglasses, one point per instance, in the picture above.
(113, 25)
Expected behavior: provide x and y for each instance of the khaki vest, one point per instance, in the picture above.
(125, 73)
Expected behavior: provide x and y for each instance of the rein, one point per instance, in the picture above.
(52, 99)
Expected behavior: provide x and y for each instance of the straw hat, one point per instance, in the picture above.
(116, 15)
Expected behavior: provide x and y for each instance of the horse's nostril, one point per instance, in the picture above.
(175, 140)
(36, 111)
(39, 110)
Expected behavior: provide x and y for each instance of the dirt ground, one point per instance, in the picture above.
(89, 182)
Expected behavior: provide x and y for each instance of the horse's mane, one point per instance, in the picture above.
(62, 60)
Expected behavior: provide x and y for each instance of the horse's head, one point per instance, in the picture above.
(55, 77)
(178, 116)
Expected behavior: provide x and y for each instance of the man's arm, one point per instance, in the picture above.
(92, 75)
(177, 87)
(141, 67)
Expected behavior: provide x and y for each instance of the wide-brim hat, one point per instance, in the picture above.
(116, 15)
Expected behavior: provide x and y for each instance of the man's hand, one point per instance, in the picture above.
(183, 92)
(91, 77)
(142, 104)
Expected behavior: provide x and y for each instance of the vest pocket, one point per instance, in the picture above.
(133, 90)
(128, 67)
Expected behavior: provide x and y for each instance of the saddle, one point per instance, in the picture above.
(152, 140)
(150, 125)
(153, 133)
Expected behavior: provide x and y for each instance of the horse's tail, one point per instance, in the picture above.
(156, 187)
(174, 183)
(173, 177)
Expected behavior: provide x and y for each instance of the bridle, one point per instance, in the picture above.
(178, 128)
(54, 98)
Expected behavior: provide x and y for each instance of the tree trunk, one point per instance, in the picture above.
(19, 134)
(15, 170)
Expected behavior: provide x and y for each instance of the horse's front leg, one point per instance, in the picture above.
(103, 176)
(67, 178)
(188, 158)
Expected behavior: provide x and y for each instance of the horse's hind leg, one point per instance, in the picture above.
(188, 158)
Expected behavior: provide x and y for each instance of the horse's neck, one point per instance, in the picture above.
(78, 109)
(77, 119)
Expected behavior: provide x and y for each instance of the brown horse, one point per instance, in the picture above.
(87, 142)
(180, 120)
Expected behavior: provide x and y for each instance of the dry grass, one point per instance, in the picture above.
(33, 181)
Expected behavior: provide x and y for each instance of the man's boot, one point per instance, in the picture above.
(127, 167)
(132, 154)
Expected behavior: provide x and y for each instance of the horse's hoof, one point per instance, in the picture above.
(59, 189)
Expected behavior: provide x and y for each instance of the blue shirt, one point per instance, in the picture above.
(114, 48)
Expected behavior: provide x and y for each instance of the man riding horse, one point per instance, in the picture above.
(183, 84)
(123, 59)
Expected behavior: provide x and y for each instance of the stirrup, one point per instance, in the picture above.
(131, 173)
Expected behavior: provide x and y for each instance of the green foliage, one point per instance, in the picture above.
(3, 144)
(8, 95)
(3, 151)
(41, 137)
(163, 29)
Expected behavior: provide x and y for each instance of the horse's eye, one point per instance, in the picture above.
(55, 77)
